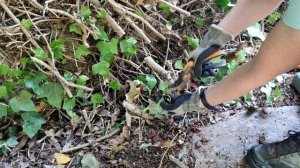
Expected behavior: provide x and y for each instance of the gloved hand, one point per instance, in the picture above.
(186, 102)
(209, 48)
(213, 40)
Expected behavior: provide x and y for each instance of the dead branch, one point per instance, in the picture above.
(57, 74)
(138, 30)
(176, 8)
(89, 143)
(117, 7)
(17, 21)
(136, 111)
(83, 27)
(177, 162)
(115, 26)
(159, 69)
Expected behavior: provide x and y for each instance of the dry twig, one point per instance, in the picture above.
(89, 143)
(176, 8)
(56, 73)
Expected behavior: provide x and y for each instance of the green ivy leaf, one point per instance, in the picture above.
(148, 80)
(101, 14)
(273, 18)
(165, 8)
(277, 94)
(34, 80)
(32, 122)
(128, 47)
(222, 71)
(178, 64)
(14, 73)
(68, 76)
(22, 102)
(266, 89)
(199, 21)
(3, 110)
(207, 80)
(108, 49)
(81, 80)
(97, 99)
(115, 85)
(3, 92)
(163, 86)
(101, 34)
(169, 25)
(58, 47)
(40, 54)
(74, 28)
(223, 4)
(85, 11)
(81, 50)
(241, 56)
(139, 13)
(232, 66)
(54, 93)
(256, 31)
(4, 69)
(11, 142)
(26, 23)
(193, 42)
(155, 109)
(68, 105)
(102, 68)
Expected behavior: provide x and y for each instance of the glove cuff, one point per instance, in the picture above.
(215, 36)
(204, 101)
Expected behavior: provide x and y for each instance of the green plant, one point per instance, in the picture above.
(165, 8)
(26, 23)
(178, 64)
(128, 47)
(74, 28)
(273, 18)
(148, 80)
(85, 11)
(193, 42)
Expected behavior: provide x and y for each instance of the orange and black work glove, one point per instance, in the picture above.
(197, 66)
(209, 48)
(186, 102)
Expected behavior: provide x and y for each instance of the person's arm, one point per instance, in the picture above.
(247, 12)
(279, 53)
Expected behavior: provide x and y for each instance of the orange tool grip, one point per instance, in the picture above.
(188, 65)
(213, 55)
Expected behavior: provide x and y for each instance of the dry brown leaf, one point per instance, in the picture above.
(40, 106)
(50, 133)
(128, 119)
(167, 144)
(134, 91)
(61, 158)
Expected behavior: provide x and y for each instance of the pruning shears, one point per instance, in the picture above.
(194, 68)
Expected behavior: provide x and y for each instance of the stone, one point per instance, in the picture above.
(226, 142)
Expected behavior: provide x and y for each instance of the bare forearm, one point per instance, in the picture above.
(247, 12)
(278, 54)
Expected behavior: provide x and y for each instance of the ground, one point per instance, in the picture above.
(78, 82)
